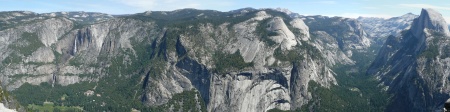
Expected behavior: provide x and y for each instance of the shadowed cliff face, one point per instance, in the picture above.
(413, 66)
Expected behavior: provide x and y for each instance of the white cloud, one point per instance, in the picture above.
(425, 6)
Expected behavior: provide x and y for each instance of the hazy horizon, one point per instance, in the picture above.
(344, 8)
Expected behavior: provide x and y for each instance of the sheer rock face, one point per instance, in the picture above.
(414, 66)
(185, 57)
(60, 44)
(429, 19)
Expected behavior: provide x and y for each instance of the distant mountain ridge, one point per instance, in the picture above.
(380, 28)
(13, 18)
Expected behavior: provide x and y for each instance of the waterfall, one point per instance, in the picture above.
(75, 46)
(54, 79)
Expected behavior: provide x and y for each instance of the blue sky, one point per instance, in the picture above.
(345, 8)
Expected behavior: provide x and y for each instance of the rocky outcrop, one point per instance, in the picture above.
(304, 30)
(412, 66)
(285, 36)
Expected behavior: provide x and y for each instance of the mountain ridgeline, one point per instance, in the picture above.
(245, 60)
